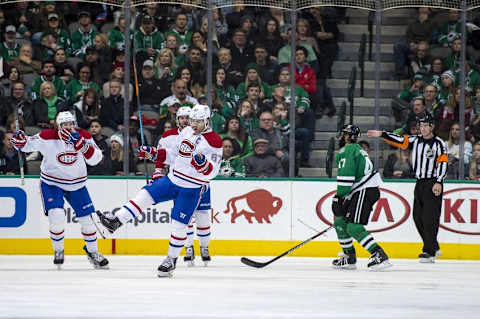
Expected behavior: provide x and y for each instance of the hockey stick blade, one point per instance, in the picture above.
(257, 264)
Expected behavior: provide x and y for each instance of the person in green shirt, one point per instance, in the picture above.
(48, 74)
(451, 30)
(62, 36)
(242, 141)
(116, 37)
(148, 39)
(231, 165)
(84, 37)
(184, 37)
(10, 48)
(77, 86)
(357, 192)
(252, 76)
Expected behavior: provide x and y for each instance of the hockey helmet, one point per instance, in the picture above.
(352, 130)
(184, 111)
(65, 117)
(427, 118)
(201, 112)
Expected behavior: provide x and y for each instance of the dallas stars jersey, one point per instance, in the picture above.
(355, 170)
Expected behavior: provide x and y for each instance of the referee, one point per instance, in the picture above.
(429, 160)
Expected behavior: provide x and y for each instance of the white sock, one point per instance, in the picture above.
(134, 207)
(190, 235)
(178, 238)
(56, 219)
(202, 220)
(89, 233)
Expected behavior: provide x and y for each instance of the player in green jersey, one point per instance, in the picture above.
(357, 192)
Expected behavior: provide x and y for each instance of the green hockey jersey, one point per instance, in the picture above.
(355, 170)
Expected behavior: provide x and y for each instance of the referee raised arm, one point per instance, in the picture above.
(429, 160)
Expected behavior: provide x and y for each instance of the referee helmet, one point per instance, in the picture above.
(427, 118)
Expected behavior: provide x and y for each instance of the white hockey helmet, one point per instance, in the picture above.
(184, 111)
(65, 117)
(201, 112)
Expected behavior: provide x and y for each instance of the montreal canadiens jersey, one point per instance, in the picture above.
(169, 142)
(186, 145)
(62, 166)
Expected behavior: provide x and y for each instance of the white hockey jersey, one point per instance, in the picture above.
(181, 150)
(170, 142)
(62, 166)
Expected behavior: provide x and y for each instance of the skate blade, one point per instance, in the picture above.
(190, 263)
(59, 266)
(382, 266)
(162, 274)
(205, 263)
(101, 267)
(348, 267)
(430, 260)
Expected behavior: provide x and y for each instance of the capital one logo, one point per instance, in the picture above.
(460, 211)
(390, 211)
(258, 204)
(13, 201)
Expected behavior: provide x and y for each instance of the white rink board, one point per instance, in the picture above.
(273, 208)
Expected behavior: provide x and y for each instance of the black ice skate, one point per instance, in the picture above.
(189, 256)
(167, 267)
(378, 260)
(426, 258)
(58, 259)
(111, 223)
(205, 255)
(96, 259)
(346, 261)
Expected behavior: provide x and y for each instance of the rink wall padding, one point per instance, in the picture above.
(250, 217)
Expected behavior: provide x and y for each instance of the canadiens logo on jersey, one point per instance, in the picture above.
(186, 148)
(67, 158)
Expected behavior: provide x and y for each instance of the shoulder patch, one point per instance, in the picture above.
(49, 134)
(213, 139)
(173, 131)
(84, 133)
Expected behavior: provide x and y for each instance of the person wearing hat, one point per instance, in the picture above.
(448, 86)
(151, 90)
(148, 39)
(84, 36)
(10, 48)
(116, 154)
(261, 163)
(62, 35)
(118, 71)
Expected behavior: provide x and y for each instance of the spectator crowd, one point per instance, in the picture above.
(427, 61)
(58, 56)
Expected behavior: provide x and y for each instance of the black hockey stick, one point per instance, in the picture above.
(257, 264)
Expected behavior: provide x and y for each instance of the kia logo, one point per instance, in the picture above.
(382, 209)
(460, 211)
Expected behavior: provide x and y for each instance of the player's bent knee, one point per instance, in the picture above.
(56, 217)
(354, 229)
(339, 222)
(179, 229)
(87, 225)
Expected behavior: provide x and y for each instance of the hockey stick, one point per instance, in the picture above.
(20, 158)
(307, 225)
(96, 226)
(257, 264)
(140, 119)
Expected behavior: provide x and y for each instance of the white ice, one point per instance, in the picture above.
(31, 287)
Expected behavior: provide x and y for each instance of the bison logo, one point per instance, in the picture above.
(260, 204)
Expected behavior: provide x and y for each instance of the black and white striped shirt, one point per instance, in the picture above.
(429, 157)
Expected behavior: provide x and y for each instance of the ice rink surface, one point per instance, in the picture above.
(31, 287)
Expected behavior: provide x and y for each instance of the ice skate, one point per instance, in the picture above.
(167, 267)
(111, 223)
(205, 255)
(58, 259)
(426, 258)
(189, 256)
(96, 259)
(378, 260)
(346, 261)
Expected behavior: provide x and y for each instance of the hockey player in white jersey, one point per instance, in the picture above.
(66, 150)
(197, 161)
(201, 217)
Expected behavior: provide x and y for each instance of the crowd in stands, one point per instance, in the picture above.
(427, 60)
(59, 56)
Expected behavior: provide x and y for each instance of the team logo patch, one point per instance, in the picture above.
(186, 148)
(67, 158)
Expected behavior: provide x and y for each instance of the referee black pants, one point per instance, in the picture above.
(426, 213)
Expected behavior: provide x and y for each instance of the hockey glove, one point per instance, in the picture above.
(200, 163)
(337, 206)
(158, 173)
(78, 141)
(19, 139)
(147, 152)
